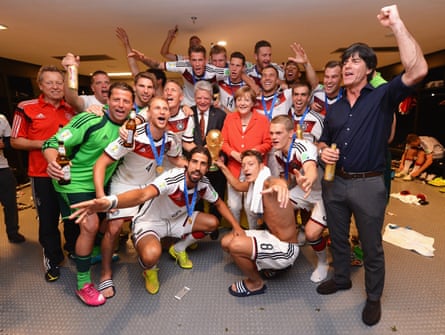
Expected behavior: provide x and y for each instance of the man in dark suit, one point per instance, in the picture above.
(205, 118)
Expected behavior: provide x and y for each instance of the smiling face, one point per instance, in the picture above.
(291, 72)
(332, 81)
(144, 91)
(173, 94)
(120, 104)
(300, 99)
(203, 100)
(269, 80)
(51, 85)
(251, 168)
(263, 57)
(355, 72)
(244, 104)
(197, 167)
(159, 113)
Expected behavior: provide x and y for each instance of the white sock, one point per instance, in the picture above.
(416, 167)
(321, 271)
(184, 243)
(406, 166)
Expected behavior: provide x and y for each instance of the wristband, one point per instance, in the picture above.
(113, 201)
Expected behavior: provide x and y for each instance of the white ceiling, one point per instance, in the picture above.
(41, 29)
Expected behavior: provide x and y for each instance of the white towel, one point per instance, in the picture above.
(254, 198)
(407, 198)
(409, 239)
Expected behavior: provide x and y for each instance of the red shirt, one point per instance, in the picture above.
(255, 136)
(39, 120)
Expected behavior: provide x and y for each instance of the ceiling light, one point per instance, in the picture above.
(222, 43)
(3, 27)
(119, 74)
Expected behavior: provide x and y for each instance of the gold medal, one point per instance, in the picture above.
(189, 220)
(159, 169)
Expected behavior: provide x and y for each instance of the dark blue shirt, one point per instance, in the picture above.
(361, 132)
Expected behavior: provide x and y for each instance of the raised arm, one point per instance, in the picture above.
(411, 54)
(302, 58)
(165, 49)
(122, 35)
(72, 96)
(152, 63)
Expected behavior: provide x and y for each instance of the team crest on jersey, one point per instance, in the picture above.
(65, 134)
(180, 125)
(114, 148)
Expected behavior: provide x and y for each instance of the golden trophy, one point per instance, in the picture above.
(214, 142)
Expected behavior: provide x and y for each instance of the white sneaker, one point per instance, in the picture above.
(430, 177)
(399, 174)
(407, 177)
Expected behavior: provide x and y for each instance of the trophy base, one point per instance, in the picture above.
(213, 168)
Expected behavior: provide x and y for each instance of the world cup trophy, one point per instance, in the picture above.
(214, 144)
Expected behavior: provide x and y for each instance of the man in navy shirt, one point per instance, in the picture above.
(360, 123)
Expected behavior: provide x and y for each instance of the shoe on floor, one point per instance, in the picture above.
(399, 174)
(242, 291)
(151, 280)
(330, 287)
(16, 238)
(90, 296)
(372, 312)
(181, 258)
(52, 272)
(408, 177)
(439, 181)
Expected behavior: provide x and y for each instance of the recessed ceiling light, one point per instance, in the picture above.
(222, 43)
(3, 27)
(119, 74)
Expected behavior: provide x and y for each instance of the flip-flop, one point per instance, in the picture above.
(243, 291)
(107, 283)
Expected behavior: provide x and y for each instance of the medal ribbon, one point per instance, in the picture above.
(269, 112)
(190, 207)
(158, 158)
(289, 152)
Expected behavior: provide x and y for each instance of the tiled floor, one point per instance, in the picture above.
(413, 300)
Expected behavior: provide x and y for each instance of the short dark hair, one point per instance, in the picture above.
(200, 150)
(270, 66)
(197, 49)
(331, 64)
(146, 75)
(239, 55)
(261, 44)
(95, 73)
(159, 74)
(252, 153)
(364, 52)
(302, 83)
(217, 49)
(121, 85)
